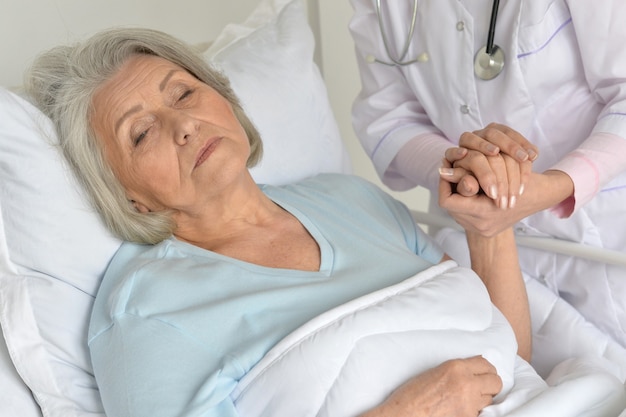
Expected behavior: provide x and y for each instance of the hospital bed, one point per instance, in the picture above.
(53, 248)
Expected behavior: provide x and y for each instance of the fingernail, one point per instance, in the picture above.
(504, 202)
(493, 192)
(521, 189)
(521, 155)
(532, 154)
(512, 201)
(446, 171)
(492, 148)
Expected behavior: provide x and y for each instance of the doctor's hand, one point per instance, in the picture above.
(478, 213)
(497, 138)
(502, 180)
(500, 177)
(459, 387)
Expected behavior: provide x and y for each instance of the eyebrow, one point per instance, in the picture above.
(136, 108)
(166, 79)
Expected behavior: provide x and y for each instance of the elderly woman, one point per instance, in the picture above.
(217, 268)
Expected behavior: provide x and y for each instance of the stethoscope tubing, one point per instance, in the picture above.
(397, 61)
(488, 62)
(492, 26)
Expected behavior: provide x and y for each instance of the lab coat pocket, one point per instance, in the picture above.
(539, 22)
(547, 50)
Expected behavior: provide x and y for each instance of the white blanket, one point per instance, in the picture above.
(351, 358)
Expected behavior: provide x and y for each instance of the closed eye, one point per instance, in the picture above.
(185, 94)
(140, 137)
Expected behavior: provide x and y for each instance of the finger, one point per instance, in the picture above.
(450, 174)
(478, 164)
(525, 171)
(468, 186)
(445, 187)
(491, 384)
(501, 136)
(517, 146)
(513, 169)
(454, 154)
(448, 186)
(475, 142)
(480, 365)
(485, 401)
(499, 168)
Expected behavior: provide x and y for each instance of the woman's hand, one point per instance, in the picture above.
(502, 180)
(477, 213)
(459, 387)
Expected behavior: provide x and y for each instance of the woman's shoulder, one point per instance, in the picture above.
(134, 266)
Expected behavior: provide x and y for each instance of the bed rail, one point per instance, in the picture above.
(562, 247)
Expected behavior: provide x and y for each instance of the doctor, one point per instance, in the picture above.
(548, 72)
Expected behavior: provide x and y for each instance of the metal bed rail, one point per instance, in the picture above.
(562, 247)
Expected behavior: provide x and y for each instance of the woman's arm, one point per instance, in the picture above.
(495, 260)
(463, 387)
(496, 263)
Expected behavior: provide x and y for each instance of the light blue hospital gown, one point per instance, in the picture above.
(175, 326)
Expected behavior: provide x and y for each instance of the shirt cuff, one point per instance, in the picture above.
(417, 163)
(592, 165)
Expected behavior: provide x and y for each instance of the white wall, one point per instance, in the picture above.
(342, 79)
(45, 23)
(28, 27)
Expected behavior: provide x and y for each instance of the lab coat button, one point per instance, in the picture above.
(460, 25)
(465, 109)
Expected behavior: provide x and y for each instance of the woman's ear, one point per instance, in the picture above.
(140, 207)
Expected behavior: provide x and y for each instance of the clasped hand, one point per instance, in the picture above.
(487, 175)
(459, 387)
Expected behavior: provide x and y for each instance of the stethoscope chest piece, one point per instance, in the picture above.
(488, 66)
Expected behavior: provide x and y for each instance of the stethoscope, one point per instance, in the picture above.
(488, 62)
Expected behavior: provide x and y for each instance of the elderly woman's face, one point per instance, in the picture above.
(172, 141)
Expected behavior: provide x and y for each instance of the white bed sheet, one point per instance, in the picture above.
(439, 314)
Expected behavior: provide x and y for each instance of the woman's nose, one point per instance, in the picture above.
(184, 127)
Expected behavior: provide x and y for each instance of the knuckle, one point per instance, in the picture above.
(454, 366)
(465, 138)
(475, 157)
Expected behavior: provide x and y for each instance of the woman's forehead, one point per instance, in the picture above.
(123, 92)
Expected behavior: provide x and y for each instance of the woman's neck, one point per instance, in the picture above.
(233, 213)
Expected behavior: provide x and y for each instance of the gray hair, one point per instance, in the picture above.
(62, 82)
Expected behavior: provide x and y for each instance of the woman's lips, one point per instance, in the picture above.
(206, 151)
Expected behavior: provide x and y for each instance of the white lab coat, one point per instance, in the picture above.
(564, 79)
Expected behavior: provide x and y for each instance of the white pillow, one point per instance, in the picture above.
(57, 251)
(56, 247)
(269, 60)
